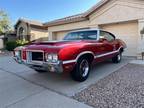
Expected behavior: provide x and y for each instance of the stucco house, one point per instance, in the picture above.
(124, 18)
(31, 30)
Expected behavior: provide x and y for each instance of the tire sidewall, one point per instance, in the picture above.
(76, 74)
(117, 58)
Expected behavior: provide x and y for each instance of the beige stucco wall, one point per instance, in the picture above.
(70, 26)
(39, 34)
(128, 32)
(118, 11)
(60, 35)
(60, 30)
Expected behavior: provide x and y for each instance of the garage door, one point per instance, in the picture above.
(60, 35)
(128, 32)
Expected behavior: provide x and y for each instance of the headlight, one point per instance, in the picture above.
(55, 57)
(49, 57)
(52, 57)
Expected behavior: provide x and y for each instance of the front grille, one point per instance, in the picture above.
(35, 56)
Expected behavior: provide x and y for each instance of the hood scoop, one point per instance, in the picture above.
(52, 43)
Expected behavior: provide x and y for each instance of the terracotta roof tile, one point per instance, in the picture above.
(69, 19)
(78, 17)
(32, 22)
(96, 6)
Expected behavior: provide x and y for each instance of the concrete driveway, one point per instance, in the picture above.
(21, 86)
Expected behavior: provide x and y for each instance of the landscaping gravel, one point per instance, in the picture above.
(122, 89)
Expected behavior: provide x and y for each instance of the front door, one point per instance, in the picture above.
(108, 41)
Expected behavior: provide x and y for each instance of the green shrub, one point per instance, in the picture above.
(21, 42)
(11, 45)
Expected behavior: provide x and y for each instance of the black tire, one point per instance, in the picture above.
(40, 71)
(117, 58)
(81, 70)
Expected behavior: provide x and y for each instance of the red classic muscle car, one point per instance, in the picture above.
(74, 54)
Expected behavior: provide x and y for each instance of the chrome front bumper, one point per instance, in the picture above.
(44, 66)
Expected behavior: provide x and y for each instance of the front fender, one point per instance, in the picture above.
(74, 52)
(69, 53)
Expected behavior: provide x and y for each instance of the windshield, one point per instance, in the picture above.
(82, 35)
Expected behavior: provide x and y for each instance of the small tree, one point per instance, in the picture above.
(4, 22)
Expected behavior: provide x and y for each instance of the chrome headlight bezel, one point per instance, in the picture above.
(52, 58)
(55, 57)
(49, 57)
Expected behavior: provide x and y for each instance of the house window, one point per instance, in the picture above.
(22, 33)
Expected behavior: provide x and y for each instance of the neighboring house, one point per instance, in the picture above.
(5, 37)
(124, 18)
(10, 36)
(31, 30)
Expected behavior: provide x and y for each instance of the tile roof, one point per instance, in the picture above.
(31, 22)
(73, 18)
(95, 7)
(69, 19)
(78, 17)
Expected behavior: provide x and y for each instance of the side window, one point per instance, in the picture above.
(106, 36)
(88, 35)
(92, 35)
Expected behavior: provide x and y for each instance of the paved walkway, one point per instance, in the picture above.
(16, 92)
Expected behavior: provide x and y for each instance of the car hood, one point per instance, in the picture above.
(54, 46)
(57, 44)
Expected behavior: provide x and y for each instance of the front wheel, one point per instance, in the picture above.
(81, 70)
(117, 58)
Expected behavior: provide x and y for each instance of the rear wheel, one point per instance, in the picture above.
(117, 58)
(81, 70)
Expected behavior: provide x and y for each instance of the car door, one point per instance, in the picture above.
(96, 47)
(108, 41)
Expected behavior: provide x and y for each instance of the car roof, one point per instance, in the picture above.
(84, 30)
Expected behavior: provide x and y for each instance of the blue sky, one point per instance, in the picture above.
(44, 10)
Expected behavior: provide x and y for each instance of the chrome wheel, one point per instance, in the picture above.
(84, 68)
(119, 57)
(81, 70)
